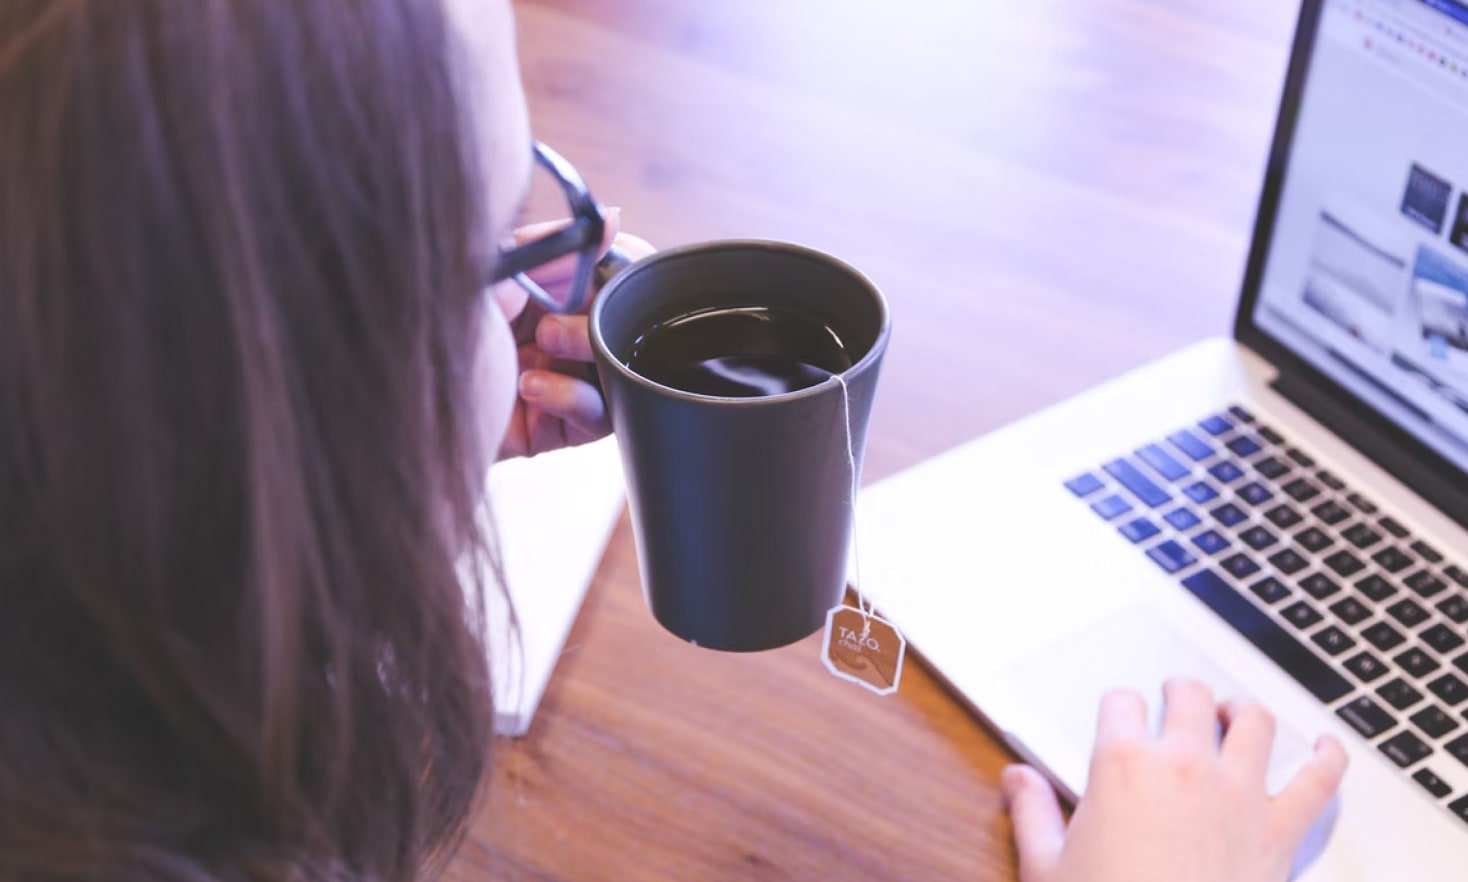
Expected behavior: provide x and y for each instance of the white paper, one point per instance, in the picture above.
(553, 516)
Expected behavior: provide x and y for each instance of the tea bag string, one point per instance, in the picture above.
(862, 605)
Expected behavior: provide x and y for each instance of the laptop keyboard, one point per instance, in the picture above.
(1370, 619)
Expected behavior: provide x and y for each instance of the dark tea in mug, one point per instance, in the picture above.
(740, 352)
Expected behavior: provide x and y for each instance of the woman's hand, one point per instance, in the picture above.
(559, 403)
(1179, 806)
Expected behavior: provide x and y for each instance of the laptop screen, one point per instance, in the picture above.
(1367, 271)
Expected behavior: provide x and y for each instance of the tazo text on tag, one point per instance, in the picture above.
(864, 649)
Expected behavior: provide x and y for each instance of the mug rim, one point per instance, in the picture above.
(772, 245)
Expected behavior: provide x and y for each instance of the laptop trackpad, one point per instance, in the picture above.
(1135, 649)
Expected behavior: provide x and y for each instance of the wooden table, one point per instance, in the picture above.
(1049, 191)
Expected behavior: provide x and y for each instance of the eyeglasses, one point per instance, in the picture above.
(581, 237)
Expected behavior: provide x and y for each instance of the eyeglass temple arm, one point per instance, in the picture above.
(603, 271)
(581, 233)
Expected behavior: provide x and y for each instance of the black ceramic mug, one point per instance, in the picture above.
(742, 507)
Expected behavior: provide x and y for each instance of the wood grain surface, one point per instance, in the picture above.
(1049, 191)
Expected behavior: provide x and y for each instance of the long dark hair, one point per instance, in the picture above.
(237, 320)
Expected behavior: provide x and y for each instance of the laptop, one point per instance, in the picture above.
(1280, 512)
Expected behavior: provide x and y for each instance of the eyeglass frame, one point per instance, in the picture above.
(582, 236)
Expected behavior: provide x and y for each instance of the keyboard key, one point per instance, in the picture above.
(1215, 425)
(1196, 449)
(1301, 614)
(1459, 807)
(1350, 610)
(1301, 490)
(1170, 556)
(1427, 552)
(1455, 608)
(1405, 749)
(1240, 414)
(1330, 480)
(1283, 516)
(1319, 586)
(1258, 538)
(1288, 561)
(1139, 530)
(1314, 539)
(1229, 514)
(1457, 574)
(1270, 590)
(1239, 566)
(1111, 507)
(1376, 588)
(1362, 504)
(1300, 457)
(1084, 485)
(1210, 541)
(1392, 526)
(1361, 535)
(1333, 640)
(1200, 491)
(1182, 519)
(1366, 716)
(1383, 636)
(1331, 512)
(1392, 559)
(1458, 747)
(1225, 471)
(1243, 446)
(1461, 662)
(1450, 689)
(1432, 784)
(1141, 486)
(1312, 672)
(1161, 462)
(1416, 662)
(1345, 563)
(1441, 638)
(1254, 493)
(1434, 721)
(1425, 583)
(1399, 694)
(1408, 612)
(1365, 666)
(1272, 468)
(1269, 434)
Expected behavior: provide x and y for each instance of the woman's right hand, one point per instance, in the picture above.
(559, 402)
(1178, 806)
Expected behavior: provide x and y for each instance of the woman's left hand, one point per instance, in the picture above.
(559, 402)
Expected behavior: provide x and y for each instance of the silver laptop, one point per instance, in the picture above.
(1280, 513)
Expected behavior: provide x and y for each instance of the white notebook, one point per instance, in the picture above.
(553, 516)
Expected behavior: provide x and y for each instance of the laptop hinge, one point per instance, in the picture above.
(1366, 436)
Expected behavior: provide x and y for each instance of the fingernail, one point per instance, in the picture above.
(532, 386)
(611, 212)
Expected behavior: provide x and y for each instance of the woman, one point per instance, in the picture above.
(249, 384)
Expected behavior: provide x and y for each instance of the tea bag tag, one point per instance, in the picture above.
(860, 646)
(863, 648)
